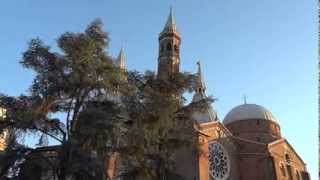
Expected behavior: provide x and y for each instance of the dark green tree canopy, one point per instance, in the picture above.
(104, 109)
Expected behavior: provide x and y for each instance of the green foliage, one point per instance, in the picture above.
(70, 83)
(158, 123)
(142, 118)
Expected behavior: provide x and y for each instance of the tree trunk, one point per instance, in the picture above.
(64, 154)
(160, 170)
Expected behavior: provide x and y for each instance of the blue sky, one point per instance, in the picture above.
(266, 49)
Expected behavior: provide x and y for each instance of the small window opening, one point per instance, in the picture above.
(169, 47)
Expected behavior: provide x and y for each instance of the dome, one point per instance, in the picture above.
(206, 115)
(247, 112)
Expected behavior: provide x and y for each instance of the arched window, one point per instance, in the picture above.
(169, 47)
(161, 48)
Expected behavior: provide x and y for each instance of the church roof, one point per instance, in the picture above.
(120, 61)
(170, 25)
(248, 112)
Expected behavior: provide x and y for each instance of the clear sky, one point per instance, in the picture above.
(266, 49)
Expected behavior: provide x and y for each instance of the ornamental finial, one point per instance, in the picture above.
(244, 99)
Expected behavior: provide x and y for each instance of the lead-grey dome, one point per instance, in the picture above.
(248, 112)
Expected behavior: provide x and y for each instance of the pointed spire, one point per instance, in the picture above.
(200, 86)
(121, 59)
(171, 23)
(208, 114)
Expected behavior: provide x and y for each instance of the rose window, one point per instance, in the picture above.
(219, 165)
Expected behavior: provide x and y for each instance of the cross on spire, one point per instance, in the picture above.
(244, 99)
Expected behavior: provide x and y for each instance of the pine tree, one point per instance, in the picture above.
(146, 123)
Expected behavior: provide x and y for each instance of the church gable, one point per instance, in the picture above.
(213, 130)
(216, 132)
(217, 152)
(287, 162)
(282, 147)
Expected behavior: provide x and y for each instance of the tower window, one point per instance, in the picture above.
(176, 49)
(161, 48)
(258, 122)
(169, 47)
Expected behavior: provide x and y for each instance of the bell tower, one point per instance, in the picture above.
(169, 49)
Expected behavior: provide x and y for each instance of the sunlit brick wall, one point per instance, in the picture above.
(4, 134)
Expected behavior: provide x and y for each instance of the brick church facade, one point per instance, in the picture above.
(246, 145)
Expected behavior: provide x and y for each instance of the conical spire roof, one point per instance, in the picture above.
(209, 114)
(170, 25)
(121, 59)
(201, 85)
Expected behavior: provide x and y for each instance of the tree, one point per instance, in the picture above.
(159, 123)
(67, 83)
(145, 121)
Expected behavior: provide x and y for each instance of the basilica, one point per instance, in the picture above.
(245, 145)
